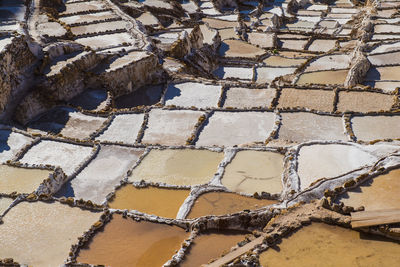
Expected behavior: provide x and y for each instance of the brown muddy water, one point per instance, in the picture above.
(163, 202)
(381, 192)
(323, 77)
(326, 245)
(220, 203)
(211, 245)
(125, 242)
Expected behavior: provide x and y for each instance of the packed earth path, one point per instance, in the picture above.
(190, 133)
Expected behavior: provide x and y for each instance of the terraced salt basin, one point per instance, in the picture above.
(91, 100)
(11, 143)
(72, 8)
(378, 193)
(236, 128)
(191, 94)
(163, 202)
(21, 180)
(100, 176)
(220, 24)
(123, 128)
(105, 41)
(94, 28)
(228, 34)
(211, 245)
(260, 39)
(170, 127)
(383, 73)
(303, 126)
(337, 160)
(326, 245)
(364, 101)
(220, 203)
(239, 97)
(144, 96)
(178, 166)
(254, 171)
(242, 73)
(237, 48)
(65, 155)
(268, 74)
(5, 202)
(46, 237)
(321, 45)
(321, 100)
(368, 128)
(278, 61)
(68, 122)
(126, 242)
(88, 18)
(323, 77)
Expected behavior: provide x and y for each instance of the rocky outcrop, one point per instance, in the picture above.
(123, 77)
(67, 81)
(17, 63)
(358, 69)
(187, 42)
(220, 4)
(51, 6)
(67, 78)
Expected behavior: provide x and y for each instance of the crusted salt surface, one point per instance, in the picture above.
(88, 18)
(321, 100)
(105, 41)
(303, 127)
(71, 8)
(170, 127)
(98, 179)
(238, 97)
(337, 159)
(234, 73)
(267, 74)
(364, 102)
(11, 143)
(68, 123)
(254, 171)
(5, 203)
(235, 128)
(329, 62)
(123, 128)
(236, 48)
(368, 128)
(44, 239)
(193, 94)
(65, 155)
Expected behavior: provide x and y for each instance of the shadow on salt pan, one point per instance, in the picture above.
(90, 99)
(144, 96)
